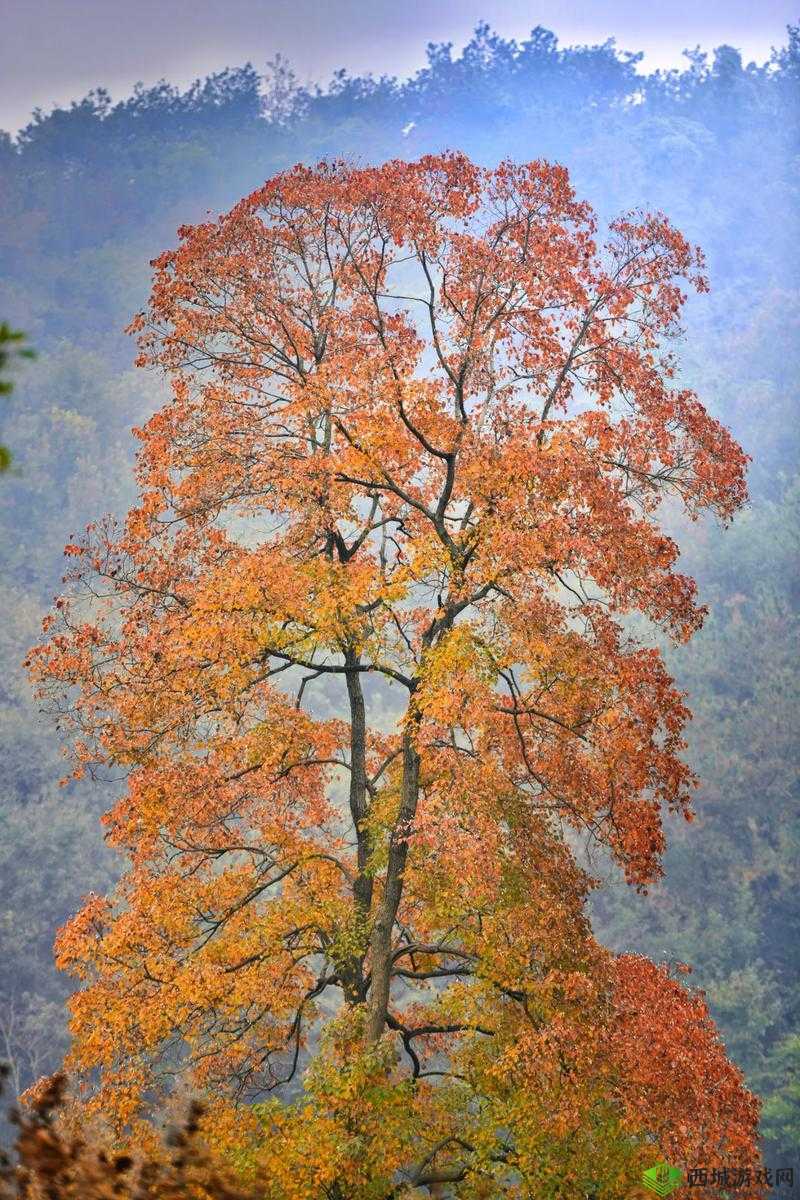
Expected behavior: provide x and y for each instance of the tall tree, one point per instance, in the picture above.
(422, 422)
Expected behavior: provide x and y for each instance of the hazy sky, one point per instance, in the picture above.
(56, 50)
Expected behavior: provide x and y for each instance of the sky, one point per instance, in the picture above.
(55, 51)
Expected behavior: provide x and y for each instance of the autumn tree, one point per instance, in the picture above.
(360, 653)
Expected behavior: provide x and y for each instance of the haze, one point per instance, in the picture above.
(55, 52)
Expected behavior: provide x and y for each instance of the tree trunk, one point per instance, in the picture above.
(381, 938)
(352, 972)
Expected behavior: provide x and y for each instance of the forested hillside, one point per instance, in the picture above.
(91, 194)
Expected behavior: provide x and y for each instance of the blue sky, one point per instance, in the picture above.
(56, 50)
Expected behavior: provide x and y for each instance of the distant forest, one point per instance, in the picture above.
(90, 194)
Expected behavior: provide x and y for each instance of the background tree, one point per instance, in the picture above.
(10, 348)
(422, 423)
